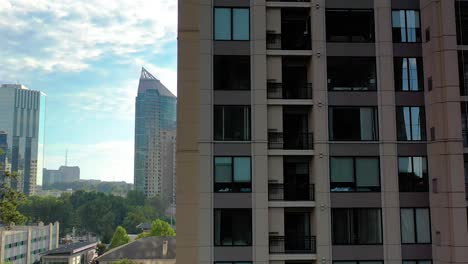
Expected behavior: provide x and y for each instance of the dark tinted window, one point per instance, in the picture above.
(348, 174)
(353, 123)
(356, 226)
(231, 72)
(232, 123)
(351, 73)
(233, 227)
(350, 25)
(412, 174)
(463, 72)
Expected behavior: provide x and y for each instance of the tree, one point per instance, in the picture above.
(123, 261)
(120, 237)
(159, 228)
(9, 201)
(101, 249)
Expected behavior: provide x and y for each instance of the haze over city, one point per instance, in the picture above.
(87, 58)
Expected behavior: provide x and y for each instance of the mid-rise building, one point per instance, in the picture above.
(322, 131)
(155, 126)
(26, 244)
(65, 174)
(74, 253)
(22, 119)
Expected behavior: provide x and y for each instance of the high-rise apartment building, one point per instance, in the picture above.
(22, 119)
(322, 131)
(155, 126)
(65, 174)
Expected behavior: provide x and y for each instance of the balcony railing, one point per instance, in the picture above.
(281, 192)
(292, 245)
(275, 41)
(299, 141)
(288, 91)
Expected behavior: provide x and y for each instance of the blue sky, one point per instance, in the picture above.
(87, 56)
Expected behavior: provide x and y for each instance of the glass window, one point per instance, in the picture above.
(406, 26)
(350, 25)
(349, 174)
(411, 123)
(417, 262)
(231, 23)
(360, 77)
(222, 23)
(353, 123)
(461, 12)
(412, 174)
(231, 72)
(232, 123)
(408, 74)
(241, 21)
(356, 226)
(415, 226)
(233, 227)
(232, 174)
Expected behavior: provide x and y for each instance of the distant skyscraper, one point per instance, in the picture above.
(65, 174)
(155, 126)
(22, 121)
(3, 159)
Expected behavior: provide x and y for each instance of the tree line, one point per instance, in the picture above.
(94, 212)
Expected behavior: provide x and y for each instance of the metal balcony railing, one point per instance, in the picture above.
(299, 141)
(273, 41)
(292, 244)
(281, 192)
(289, 91)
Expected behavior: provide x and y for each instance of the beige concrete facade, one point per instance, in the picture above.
(196, 147)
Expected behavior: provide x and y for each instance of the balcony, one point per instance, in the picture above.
(296, 141)
(275, 41)
(292, 245)
(281, 192)
(283, 91)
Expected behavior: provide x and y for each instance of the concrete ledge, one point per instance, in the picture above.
(233, 253)
(358, 252)
(416, 251)
(356, 200)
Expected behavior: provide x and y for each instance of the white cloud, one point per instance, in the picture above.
(118, 102)
(108, 161)
(67, 35)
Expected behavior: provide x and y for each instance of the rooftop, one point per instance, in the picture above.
(144, 248)
(71, 249)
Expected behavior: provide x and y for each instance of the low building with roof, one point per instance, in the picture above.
(75, 253)
(26, 244)
(147, 250)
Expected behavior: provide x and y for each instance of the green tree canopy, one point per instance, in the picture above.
(9, 201)
(159, 228)
(120, 237)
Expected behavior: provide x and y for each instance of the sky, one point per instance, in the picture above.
(87, 57)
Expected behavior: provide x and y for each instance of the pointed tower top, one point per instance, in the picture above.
(146, 75)
(149, 82)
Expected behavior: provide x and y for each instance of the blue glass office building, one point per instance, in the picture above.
(155, 126)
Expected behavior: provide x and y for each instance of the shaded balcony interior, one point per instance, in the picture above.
(463, 72)
(465, 156)
(298, 238)
(350, 25)
(295, 133)
(461, 13)
(351, 74)
(295, 30)
(296, 183)
(295, 81)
